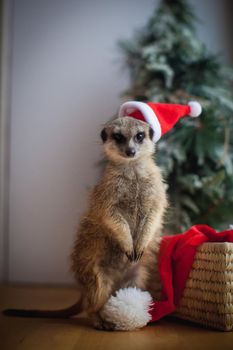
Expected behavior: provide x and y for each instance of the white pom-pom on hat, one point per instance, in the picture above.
(195, 109)
(128, 310)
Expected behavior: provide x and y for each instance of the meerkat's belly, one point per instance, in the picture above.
(135, 201)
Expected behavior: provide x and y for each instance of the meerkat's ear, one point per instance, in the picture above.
(151, 133)
(104, 135)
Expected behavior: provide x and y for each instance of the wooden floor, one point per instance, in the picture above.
(43, 334)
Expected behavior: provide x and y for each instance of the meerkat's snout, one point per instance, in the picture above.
(130, 151)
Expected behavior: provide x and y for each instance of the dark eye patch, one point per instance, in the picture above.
(139, 137)
(118, 137)
(151, 133)
(104, 135)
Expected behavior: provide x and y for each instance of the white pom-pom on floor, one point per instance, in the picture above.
(128, 310)
(195, 109)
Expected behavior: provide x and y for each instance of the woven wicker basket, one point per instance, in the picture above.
(208, 295)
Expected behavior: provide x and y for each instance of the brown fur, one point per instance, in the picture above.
(123, 221)
(118, 236)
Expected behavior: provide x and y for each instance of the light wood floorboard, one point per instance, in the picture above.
(49, 334)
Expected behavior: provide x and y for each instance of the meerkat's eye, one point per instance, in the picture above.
(118, 137)
(139, 137)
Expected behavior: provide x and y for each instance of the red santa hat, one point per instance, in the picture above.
(161, 116)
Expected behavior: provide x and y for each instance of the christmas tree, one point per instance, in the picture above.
(168, 63)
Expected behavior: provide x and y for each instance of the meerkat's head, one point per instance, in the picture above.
(127, 139)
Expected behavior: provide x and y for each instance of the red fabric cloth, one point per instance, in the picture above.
(176, 256)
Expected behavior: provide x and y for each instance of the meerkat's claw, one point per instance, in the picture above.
(138, 255)
(130, 256)
(134, 256)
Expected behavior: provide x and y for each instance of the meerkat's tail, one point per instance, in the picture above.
(68, 312)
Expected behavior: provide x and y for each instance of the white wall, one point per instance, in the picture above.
(5, 71)
(66, 82)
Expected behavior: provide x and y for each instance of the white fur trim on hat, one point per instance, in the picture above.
(148, 114)
(195, 109)
(128, 310)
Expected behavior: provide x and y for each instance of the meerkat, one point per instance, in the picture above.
(117, 237)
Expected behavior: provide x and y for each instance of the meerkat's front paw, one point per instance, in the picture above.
(138, 253)
(135, 255)
(130, 255)
(139, 250)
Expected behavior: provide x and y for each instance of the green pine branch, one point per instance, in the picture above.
(168, 63)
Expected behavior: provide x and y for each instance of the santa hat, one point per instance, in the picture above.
(161, 116)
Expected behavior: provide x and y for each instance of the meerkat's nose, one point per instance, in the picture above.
(130, 152)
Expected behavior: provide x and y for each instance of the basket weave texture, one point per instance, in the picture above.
(208, 294)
